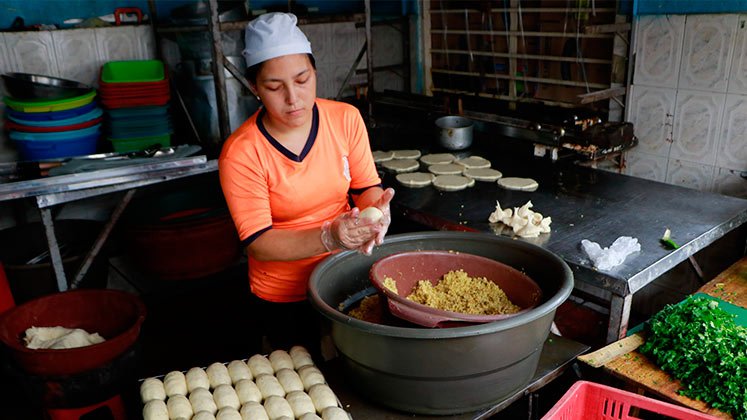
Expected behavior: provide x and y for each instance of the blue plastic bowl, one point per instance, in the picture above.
(55, 136)
(92, 115)
(50, 116)
(42, 149)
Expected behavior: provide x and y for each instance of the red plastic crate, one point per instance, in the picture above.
(592, 401)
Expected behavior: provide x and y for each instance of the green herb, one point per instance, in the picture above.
(699, 344)
(667, 241)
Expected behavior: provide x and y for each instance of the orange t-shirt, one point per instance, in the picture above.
(268, 187)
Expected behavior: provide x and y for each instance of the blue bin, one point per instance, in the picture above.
(50, 149)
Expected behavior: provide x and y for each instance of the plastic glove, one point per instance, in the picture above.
(346, 231)
(382, 224)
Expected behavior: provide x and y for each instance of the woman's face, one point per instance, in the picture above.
(287, 87)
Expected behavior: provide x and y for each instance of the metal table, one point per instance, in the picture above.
(51, 191)
(557, 355)
(584, 203)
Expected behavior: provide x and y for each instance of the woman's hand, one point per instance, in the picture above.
(382, 224)
(350, 231)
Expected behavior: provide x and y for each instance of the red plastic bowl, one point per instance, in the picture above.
(407, 268)
(34, 129)
(115, 315)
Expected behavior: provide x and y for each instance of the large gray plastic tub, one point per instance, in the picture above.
(440, 371)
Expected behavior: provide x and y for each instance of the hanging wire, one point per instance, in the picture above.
(524, 44)
(446, 44)
(579, 53)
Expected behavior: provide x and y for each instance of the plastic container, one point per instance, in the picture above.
(142, 101)
(142, 111)
(589, 400)
(67, 135)
(140, 143)
(50, 106)
(52, 129)
(45, 149)
(85, 117)
(132, 71)
(51, 116)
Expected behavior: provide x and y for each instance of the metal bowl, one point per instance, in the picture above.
(444, 370)
(454, 132)
(34, 86)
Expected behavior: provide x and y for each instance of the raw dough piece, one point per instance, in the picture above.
(260, 365)
(518, 184)
(452, 182)
(401, 165)
(269, 385)
(174, 384)
(406, 154)
(238, 370)
(524, 222)
(60, 338)
(277, 407)
(310, 376)
(382, 156)
(228, 413)
(300, 403)
(437, 158)
(289, 380)
(155, 410)
(253, 411)
(225, 396)
(483, 174)
(179, 406)
(280, 359)
(371, 213)
(415, 179)
(474, 162)
(322, 396)
(301, 357)
(152, 389)
(446, 169)
(204, 415)
(247, 391)
(310, 416)
(218, 375)
(197, 378)
(335, 413)
(202, 400)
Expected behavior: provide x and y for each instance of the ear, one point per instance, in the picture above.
(253, 89)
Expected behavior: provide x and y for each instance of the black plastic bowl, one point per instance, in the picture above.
(34, 86)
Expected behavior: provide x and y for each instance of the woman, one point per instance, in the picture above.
(288, 174)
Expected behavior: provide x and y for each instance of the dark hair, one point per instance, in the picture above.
(253, 71)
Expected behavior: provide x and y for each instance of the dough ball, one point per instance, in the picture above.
(289, 380)
(197, 378)
(238, 370)
(152, 389)
(310, 416)
(269, 386)
(202, 400)
(301, 357)
(259, 365)
(371, 213)
(225, 396)
(218, 375)
(228, 413)
(155, 410)
(174, 384)
(253, 411)
(334, 413)
(280, 359)
(179, 406)
(247, 391)
(322, 396)
(204, 415)
(300, 403)
(277, 407)
(310, 376)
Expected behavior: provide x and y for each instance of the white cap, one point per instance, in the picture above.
(273, 35)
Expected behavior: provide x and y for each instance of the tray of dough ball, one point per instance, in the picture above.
(285, 385)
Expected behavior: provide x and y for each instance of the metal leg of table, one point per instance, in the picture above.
(619, 316)
(54, 248)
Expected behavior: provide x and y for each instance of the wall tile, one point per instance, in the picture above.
(707, 51)
(5, 65)
(733, 146)
(320, 36)
(387, 46)
(32, 52)
(118, 43)
(147, 42)
(76, 55)
(738, 73)
(690, 174)
(730, 182)
(651, 110)
(347, 41)
(696, 126)
(658, 50)
(645, 165)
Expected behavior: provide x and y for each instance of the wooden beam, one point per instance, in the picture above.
(602, 94)
(608, 28)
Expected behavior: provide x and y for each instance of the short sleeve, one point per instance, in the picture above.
(245, 189)
(362, 167)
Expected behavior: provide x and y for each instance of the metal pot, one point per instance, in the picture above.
(444, 370)
(455, 133)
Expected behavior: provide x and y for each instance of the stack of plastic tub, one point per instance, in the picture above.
(136, 95)
(48, 129)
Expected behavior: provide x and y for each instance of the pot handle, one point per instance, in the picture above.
(415, 316)
(127, 10)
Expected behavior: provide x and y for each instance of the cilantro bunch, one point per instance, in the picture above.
(699, 344)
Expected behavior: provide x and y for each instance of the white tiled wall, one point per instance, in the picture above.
(688, 101)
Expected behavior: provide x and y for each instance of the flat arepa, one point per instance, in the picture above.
(446, 169)
(436, 158)
(452, 182)
(406, 154)
(401, 165)
(474, 162)
(518, 184)
(382, 156)
(415, 179)
(483, 174)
